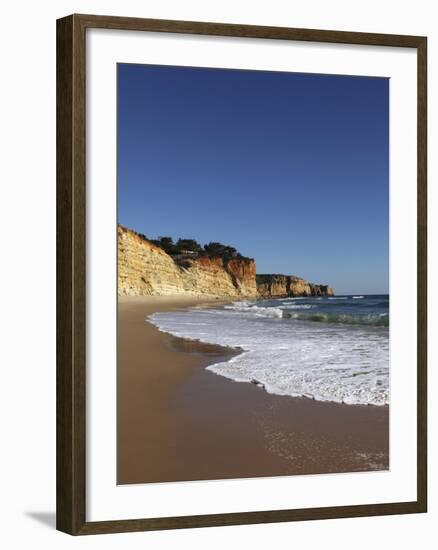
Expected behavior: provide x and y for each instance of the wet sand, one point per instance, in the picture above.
(179, 422)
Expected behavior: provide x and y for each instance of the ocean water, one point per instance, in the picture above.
(324, 348)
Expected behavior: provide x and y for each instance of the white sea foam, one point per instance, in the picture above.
(357, 297)
(266, 311)
(296, 306)
(257, 311)
(326, 362)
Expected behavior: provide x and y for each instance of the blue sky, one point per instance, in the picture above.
(289, 168)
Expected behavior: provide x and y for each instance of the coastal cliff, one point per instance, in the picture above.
(145, 269)
(273, 286)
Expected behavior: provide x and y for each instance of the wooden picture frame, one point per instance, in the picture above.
(71, 274)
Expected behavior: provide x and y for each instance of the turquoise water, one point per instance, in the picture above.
(355, 309)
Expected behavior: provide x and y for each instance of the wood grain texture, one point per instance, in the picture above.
(64, 272)
(248, 31)
(422, 275)
(247, 518)
(71, 229)
(71, 270)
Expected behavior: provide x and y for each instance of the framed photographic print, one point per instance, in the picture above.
(241, 274)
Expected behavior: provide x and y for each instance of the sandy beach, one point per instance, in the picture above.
(179, 422)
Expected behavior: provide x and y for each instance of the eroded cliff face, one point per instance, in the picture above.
(272, 286)
(145, 269)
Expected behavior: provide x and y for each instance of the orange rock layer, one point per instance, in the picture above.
(146, 270)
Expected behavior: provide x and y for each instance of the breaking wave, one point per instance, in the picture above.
(300, 311)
